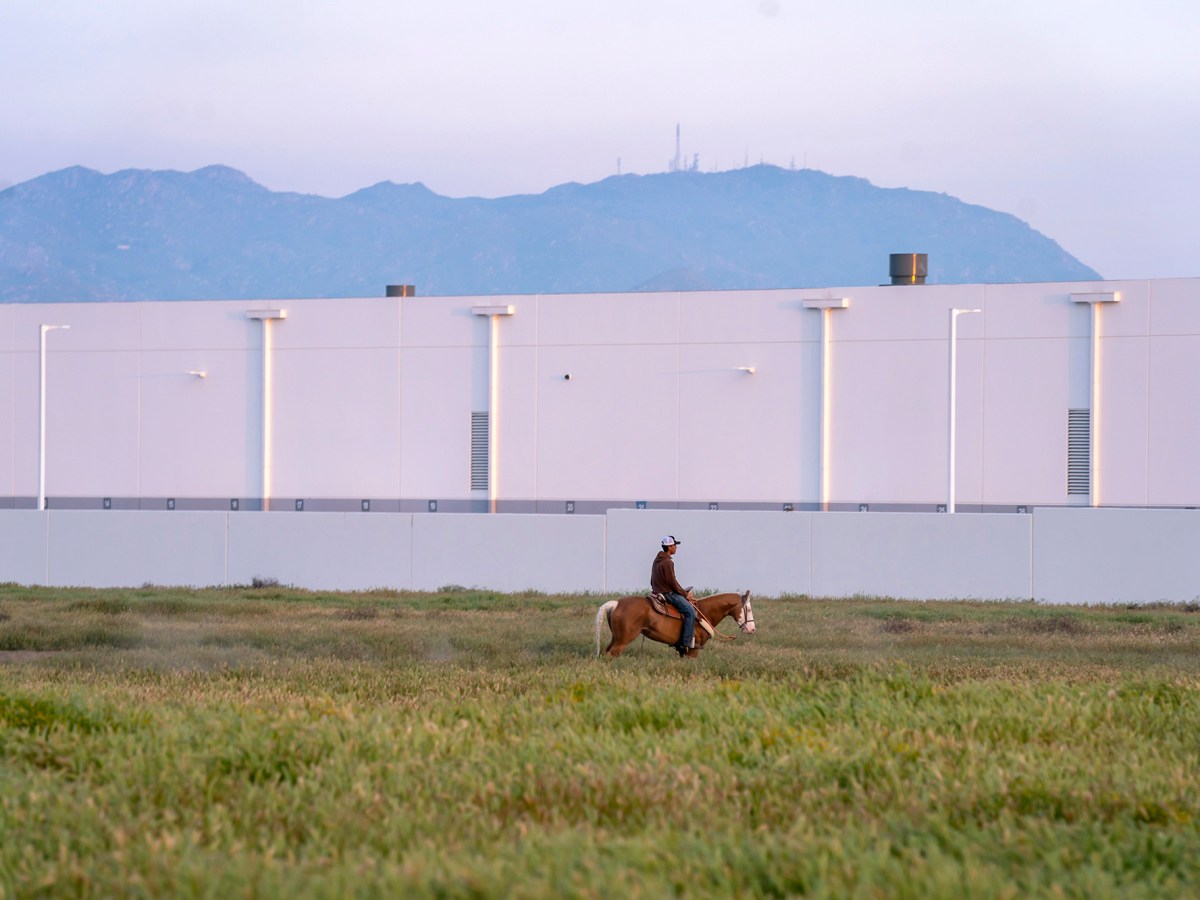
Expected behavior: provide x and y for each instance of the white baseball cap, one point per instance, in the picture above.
(669, 540)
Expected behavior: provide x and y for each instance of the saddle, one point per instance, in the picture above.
(660, 605)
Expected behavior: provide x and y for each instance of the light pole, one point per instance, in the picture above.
(953, 425)
(42, 412)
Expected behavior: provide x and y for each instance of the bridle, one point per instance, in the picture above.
(744, 621)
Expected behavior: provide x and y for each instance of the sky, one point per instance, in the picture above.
(1080, 118)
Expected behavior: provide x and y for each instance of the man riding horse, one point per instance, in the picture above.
(663, 581)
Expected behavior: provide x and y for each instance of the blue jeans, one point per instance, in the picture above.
(688, 611)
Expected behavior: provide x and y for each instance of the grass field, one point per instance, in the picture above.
(270, 742)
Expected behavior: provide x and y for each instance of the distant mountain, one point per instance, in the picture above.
(214, 233)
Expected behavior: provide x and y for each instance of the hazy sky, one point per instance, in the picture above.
(1081, 117)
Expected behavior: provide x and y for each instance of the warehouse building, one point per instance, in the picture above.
(833, 399)
(403, 441)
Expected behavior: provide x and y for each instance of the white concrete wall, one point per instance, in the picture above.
(1054, 555)
(508, 552)
(24, 545)
(322, 551)
(922, 556)
(1116, 555)
(128, 548)
(764, 552)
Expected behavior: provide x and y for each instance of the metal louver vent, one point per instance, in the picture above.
(479, 451)
(1079, 452)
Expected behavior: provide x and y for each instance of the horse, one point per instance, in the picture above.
(631, 616)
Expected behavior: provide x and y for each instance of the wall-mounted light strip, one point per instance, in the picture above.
(1095, 301)
(494, 314)
(266, 316)
(826, 307)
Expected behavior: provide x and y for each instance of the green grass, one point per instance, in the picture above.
(273, 742)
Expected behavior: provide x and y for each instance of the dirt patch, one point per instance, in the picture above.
(897, 625)
(356, 613)
(1056, 624)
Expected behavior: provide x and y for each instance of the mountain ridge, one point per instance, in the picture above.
(77, 234)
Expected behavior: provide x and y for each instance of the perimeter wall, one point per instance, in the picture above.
(1053, 555)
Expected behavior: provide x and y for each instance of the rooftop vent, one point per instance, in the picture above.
(401, 290)
(908, 268)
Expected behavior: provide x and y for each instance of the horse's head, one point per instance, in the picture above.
(745, 618)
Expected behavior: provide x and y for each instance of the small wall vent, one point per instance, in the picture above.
(479, 451)
(1079, 452)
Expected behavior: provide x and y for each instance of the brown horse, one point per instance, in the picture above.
(631, 616)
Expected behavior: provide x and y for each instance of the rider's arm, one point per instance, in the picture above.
(676, 587)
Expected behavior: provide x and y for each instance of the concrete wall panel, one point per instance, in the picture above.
(1056, 555)
(611, 432)
(1036, 311)
(921, 556)
(129, 548)
(520, 379)
(720, 317)
(8, 401)
(200, 436)
(94, 327)
(1125, 386)
(22, 438)
(345, 324)
(92, 412)
(1173, 420)
(201, 325)
(1129, 317)
(435, 417)
(724, 447)
(1116, 555)
(606, 319)
(24, 539)
(764, 552)
(1029, 387)
(508, 552)
(336, 423)
(438, 321)
(909, 312)
(321, 550)
(1173, 306)
(888, 440)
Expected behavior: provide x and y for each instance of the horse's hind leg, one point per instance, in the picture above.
(616, 647)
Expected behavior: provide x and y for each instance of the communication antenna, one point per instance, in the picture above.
(675, 163)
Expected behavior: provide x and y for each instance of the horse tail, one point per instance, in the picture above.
(602, 615)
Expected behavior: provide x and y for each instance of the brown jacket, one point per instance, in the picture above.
(662, 575)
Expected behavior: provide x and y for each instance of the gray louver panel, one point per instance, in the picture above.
(1079, 452)
(479, 451)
